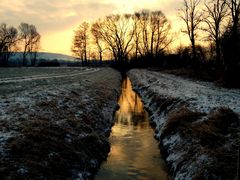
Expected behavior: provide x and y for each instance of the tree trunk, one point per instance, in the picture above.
(218, 53)
(100, 56)
(34, 58)
(151, 47)
(85, 57)
(24, 59)
(24, 56)
(194, 50)
(136, 50)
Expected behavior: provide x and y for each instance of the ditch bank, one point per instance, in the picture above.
(58, 128)
(196, 124)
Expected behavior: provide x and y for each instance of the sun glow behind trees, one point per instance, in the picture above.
(57, 19)
(145, 33)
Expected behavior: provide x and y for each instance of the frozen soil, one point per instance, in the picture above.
(55, 127)
(196, 123)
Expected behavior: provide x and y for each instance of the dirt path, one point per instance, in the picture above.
(47, 76)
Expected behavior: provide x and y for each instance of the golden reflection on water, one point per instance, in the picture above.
(131, 108)
(134, 152)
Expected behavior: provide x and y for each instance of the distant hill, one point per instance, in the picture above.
(46, 56)
(51, 59)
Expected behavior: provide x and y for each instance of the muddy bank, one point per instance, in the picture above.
(57, 128)
(197, 124)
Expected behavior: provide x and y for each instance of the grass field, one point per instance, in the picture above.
(54, 122)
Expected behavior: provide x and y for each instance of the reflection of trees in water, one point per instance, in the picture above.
(124, 83)
(138, 119)
(131, 110)
(136, 102)
(120, 119)
(129, 98)
(132, 119)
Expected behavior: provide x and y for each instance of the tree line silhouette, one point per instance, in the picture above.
(124, 37)
(219, 21)
(143, 38)
(25, 39)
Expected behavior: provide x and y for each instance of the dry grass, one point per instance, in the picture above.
(224, 124)
(50, 150)
(221, 122)
(206, 135)
(61, 131)
(222, 77)
(163, 104)
(217, 137)
(180, 121)
(223, 119)
(206, 74)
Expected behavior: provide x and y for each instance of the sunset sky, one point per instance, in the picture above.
(56, 19)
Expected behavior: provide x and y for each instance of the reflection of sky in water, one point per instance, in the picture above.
(134, 152)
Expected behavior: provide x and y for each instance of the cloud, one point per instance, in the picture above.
(52, 15)
(56, 17)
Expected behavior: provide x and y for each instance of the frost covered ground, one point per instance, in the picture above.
(54, 122)
(197, 124)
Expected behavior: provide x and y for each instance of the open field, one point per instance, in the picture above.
(197, 124)
(54, 122)
(8, 75)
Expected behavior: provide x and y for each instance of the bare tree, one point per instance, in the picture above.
(217, 11)
(117, 32)
(137, 33)
(30, 39)
(34, 48)
(154, 32)
(80, 42)
(8, 39)
(95, 29)
(161, 37)
(231, 38)
(192, 17)
(144, 46)
(234, 6)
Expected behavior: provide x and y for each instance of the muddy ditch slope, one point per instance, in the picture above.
(57, 128)
(196, 123)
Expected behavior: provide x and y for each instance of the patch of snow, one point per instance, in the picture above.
(68, 138)
(203, 158)
(83, 175)
(183, 176)
(80, 176)
(69, 97)
(4, 136)
(174, 139)
(40, 77)
(200, 95)
(93, 163)
(22, 171)
(197, 96)
(52, 154)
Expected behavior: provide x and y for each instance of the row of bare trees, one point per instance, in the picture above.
(146, 33)
(217, 18)
(25, 39)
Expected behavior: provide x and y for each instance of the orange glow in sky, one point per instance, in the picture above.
(57, 19)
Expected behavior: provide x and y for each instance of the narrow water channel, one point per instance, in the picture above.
(134, 152)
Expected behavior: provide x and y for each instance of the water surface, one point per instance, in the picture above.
(134, 152)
